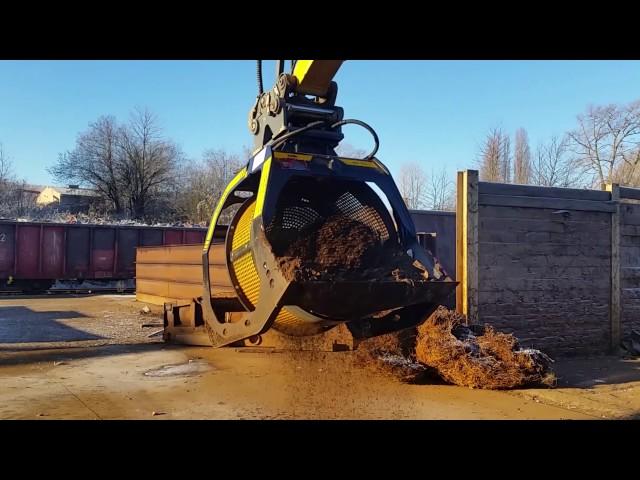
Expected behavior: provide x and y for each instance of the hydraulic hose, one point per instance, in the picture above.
(366, 127)
(317, 123)
(259, 77)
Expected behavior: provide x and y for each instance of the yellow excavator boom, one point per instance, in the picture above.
(315, 76)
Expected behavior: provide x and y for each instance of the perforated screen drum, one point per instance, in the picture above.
(304, 203)
(307, 201)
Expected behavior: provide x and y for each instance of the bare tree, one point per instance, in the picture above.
(131, 166)
(413, 185)
(440, 192)
(147, 161)
(204, 183)
(22, 203)
(349, 151)
(495, 163)
(94, 161)
(605, 137)
(245, 154)
(505, 159)
(13, 200)
(627, 173)
(6, 183)
(552, 166)
(522, 158)
(6, 166)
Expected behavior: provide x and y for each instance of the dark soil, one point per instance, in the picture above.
(341, 248)
(479, 358)
(394, 353)
(445, 348)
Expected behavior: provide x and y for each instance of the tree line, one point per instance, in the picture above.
(141, 173)
(604, 147)
(137, 172)
(12, 201)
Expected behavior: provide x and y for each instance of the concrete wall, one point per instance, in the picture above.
(539, 263)
(546, 276)
(629, 260)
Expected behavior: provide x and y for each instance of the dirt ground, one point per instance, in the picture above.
(90, 358)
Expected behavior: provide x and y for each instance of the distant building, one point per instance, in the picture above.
(30, 193)
(72, 198)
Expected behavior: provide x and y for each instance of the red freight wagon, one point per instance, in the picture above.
(34, 255)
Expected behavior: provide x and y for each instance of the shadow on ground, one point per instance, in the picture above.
(23, 325)
(594, 371)
(23, 357)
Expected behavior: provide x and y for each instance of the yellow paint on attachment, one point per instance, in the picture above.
(241, 175)
(381, 166)
(359, 163)
(303, 157)
(245, 271)
(288, 319)
(243, 266)
(262, 187)
(242, 233)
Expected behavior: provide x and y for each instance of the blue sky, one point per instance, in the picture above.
(433, 112)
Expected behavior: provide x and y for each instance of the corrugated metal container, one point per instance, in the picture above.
(48, 251)
(443, 225)
(437, 231)
(174, 273)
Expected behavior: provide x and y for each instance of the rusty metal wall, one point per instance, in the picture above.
(27, 252)
(174, 273)
(68, 251)
(7, 249)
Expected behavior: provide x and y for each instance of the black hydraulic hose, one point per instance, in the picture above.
(259, 76)
(286, 136)
(365, 126)
(317, 123)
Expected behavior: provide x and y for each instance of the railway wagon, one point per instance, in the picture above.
(34, 255)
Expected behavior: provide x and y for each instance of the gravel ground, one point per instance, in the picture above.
(75, 321)
(90, 357)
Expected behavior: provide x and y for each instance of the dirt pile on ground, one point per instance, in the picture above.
(394, 354)
(341, 248)
(482, 358)
(445, 347)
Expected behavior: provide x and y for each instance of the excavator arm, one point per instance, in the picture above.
(313, 77)
(304, 98)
